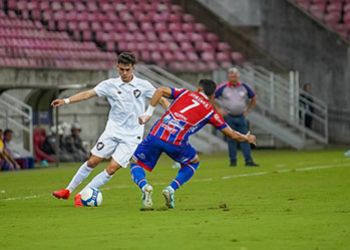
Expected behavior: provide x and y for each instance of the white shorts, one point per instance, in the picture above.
(120, 150)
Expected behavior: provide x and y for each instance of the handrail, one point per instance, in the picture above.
(20, 116)
(283, 100)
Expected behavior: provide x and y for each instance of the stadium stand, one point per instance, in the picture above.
(27, 44)
(157, 31)
(334, 13)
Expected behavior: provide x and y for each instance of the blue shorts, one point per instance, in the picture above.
(150, 149)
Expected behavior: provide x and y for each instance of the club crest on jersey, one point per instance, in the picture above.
(137, 93)
(100, 145)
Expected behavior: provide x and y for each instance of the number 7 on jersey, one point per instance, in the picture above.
(195, 104)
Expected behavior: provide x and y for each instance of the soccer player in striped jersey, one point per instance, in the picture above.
(188, 113)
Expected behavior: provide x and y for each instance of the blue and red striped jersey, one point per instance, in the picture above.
(187, 114)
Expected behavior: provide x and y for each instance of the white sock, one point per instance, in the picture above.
(170, 188)
(99, 180)
(82, 173)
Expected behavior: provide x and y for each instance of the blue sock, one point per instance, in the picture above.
(138, 175)
(185, 173)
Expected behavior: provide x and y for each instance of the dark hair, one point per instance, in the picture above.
(7, 131)
(208, 86)
(127, 58)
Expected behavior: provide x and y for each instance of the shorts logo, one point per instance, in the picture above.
(137, 93)
(100, 146)
(142, 156)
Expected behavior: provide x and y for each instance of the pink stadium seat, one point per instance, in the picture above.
(172, 46)
(188, 18)
(316, 7)
(198, 27)
(332, 18)
(158, 31)
(223, 56)
(160, 27)
(208, 56)
(168, 56)
(192, 56)
(187, 27)
(195, 37)
(179, 56)
(335, 7)
(180, 37)
(147, 26)
(317, 13)
(175, 27)
(165, 37)
(237, 57)
(186, 46)
(211, 37)
(223, 46)
(204, 46)
(347, 7)
(346, 17)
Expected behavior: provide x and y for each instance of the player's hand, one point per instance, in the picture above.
(143, 119)
(251, 138)
(57, 103)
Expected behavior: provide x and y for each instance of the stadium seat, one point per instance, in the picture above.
(116, 25)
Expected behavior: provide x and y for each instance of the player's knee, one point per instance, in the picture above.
(94, 161)
(112, 167)
(195, 159)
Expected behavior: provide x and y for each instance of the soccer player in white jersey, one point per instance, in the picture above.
(127, 96)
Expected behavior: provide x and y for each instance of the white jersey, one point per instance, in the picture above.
(128, 102)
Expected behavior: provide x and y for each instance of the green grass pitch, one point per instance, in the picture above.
(295, 200)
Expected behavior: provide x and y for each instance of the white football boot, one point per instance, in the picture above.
(147, 197)
(169, 196)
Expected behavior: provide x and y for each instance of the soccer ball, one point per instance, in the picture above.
(91, 197)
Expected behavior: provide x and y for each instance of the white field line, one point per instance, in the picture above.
(312, 168)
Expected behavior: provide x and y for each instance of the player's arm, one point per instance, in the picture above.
(234, 135)
(252, 99)
(251, 105)
(160, 93)
(81, 96)
(164, 103)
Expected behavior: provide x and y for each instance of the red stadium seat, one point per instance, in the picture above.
(158, 31)
(168, 56)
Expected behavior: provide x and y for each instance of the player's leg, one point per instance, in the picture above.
(189, 163)
(232, 144)
(82, 173)
(245, 146)
(99, 180)
(103, 149)
(120, 159)
(145, 157)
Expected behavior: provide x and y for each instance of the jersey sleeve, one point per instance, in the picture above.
(149, 90)
(219, 90)
(175, 92)
(217, 121)
(250, 92)
(101, 89)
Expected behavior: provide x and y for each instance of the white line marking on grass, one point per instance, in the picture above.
(23, 198)
(243, 175)
(311, 168)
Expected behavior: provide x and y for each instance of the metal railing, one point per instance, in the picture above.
(281, 98)
(17, 116)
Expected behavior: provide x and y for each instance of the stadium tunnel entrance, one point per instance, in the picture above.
(39, 99)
